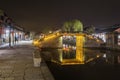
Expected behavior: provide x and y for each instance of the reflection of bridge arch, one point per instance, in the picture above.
(55, 41)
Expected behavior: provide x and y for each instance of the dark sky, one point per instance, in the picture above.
(39, 14)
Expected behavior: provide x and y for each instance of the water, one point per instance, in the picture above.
(99, 65)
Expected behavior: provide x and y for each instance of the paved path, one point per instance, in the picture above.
(17, 64)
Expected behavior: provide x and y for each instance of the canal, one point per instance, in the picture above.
(68, 59)
(98, 65)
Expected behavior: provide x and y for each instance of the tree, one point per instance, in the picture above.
(66, 26)
(90, 29)
(73, 26)
(77, 26)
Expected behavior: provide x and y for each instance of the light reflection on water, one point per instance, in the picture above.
(90, 56)
(94, 67)
(71, 50)
(100, 65)
(102, 56)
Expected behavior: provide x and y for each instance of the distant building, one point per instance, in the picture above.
(110, 36)
(9, 31)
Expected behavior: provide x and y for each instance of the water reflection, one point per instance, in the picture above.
(97, 64)
(69, 54)
(69, 47)
(94, 57)
(72, 52)
(105, 57)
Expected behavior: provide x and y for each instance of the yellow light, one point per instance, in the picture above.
(79, 59)
(98, 40)
(35, 42)
(79, 48)
(66, 49)
(98, 56)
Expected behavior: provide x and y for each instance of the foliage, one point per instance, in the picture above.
(73, 26)
(90, 29)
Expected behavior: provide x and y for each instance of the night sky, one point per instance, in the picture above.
(39, 14)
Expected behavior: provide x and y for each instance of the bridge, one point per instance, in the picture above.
(67, 44)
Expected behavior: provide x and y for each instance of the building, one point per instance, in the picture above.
(110, 36)
(9, 31)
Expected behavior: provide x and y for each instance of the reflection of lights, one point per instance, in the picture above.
(63, 45)
(50, 31)
(97, 40)
(104, 55)
(98, 56)
(69, 37)
(70, 46)
(74, 48)
(63, 36)
(89, 60)
(66, 49)
(7, 31)
(66, 46)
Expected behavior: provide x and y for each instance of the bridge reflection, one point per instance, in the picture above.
(66, 49)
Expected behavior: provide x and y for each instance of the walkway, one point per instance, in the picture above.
(16, 63)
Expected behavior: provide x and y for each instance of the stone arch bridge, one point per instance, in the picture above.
(66, 42)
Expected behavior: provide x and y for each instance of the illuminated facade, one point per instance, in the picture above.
(73, 51)
(110, 36)
(9, 31)
(65, 48)
(8, 35)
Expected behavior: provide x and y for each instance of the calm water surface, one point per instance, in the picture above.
(99, 65)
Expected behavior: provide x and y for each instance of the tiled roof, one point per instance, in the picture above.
(113, 28)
